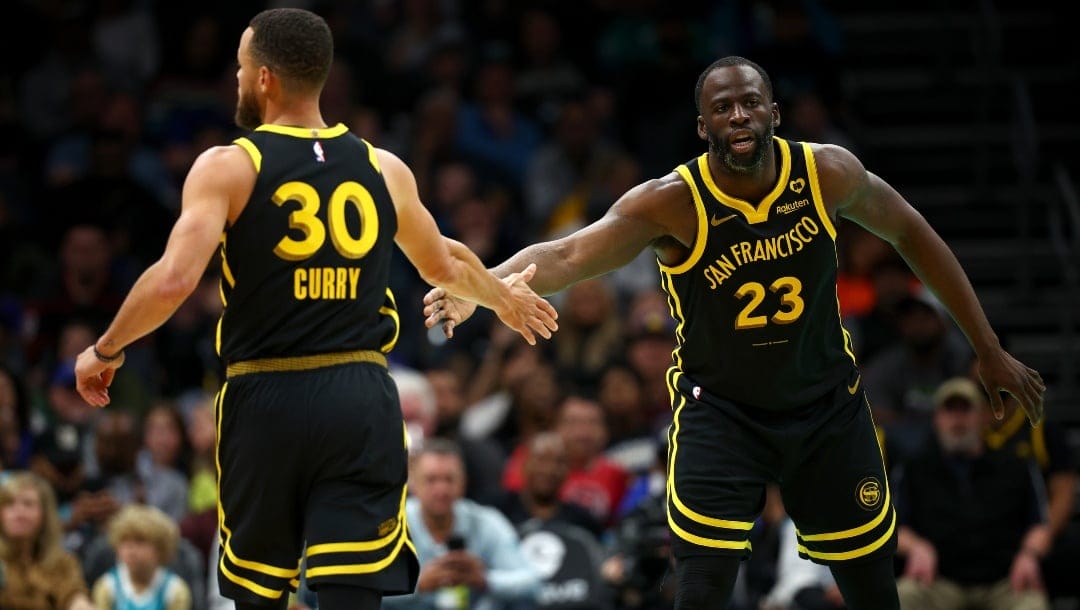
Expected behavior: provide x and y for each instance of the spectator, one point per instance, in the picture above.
(545, 77)
(199, 526)
(144, 540)
(84, 284)
(590, 332)
(162, 462)
(420, 409)
(561, 175)
(524, 404)
(650, 337)
(497, 138)
(16, 438)
(1048, 445)
(594, 481)
(891, 284)
(488, 568)
(900, 380)
(39, 574)
(63, 446)
(632, 441)
(972, 523)
(544, 472)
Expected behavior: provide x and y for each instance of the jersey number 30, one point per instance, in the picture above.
(307, 221)
(791, 304)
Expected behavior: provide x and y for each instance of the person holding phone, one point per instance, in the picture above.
(470, 554)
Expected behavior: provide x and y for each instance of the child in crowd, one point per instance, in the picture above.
(145, 540)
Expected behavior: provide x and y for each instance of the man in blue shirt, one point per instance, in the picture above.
(470, 556)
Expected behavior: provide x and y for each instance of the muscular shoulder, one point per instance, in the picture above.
(840, 174)
(223, 166)
(657, 198)
(224, 159)
(399, 178)
(222, 174)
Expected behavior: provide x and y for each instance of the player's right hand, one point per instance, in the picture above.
(94, 376)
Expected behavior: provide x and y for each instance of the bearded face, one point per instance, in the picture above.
(247, 110)
(745, 163)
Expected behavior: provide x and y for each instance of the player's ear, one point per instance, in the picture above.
(775, 115)
(701, 131)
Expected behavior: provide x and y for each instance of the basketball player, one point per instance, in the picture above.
(311, 442)
(764, 382)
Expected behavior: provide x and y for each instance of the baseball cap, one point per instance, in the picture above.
(959, 387)
(652, 324)
(921, 297)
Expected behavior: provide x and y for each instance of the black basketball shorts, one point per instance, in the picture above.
(312, 464)
(825, 457)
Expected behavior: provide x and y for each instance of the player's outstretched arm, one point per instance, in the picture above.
(629, 226)
(160, 290)
(448, 264)
(852, 192)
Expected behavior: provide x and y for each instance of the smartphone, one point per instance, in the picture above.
(455, 542)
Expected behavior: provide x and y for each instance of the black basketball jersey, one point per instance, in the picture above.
(758, 320)
(306, 266)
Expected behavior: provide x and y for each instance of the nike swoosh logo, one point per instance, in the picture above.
(716, 222)
(855, 386)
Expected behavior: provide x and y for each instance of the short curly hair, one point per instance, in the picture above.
(145, 523)
(294, 43)
(725, 62)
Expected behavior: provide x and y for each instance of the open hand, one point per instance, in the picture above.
(1000, 372)
(527, 312)
(93, 377)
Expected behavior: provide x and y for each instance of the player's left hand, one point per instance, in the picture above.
(94, 376)
(1000, 372)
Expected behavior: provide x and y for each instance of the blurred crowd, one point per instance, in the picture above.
(522, 121)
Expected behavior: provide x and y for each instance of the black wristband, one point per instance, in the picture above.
(104, 358)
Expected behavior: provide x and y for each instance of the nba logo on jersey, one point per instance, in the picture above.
(319, 155)
(697, 392)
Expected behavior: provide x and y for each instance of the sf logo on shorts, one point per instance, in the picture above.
(869, 493)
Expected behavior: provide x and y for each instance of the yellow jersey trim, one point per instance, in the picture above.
(702, 226)
(702, 541)
(372, 157)
(252, 151)
(303, 363)
(673, 494)
(815, 191)
(856, 553)
(310, 133)
(855, 531)
(225, 533)
(360, 568)
(761, 212)
(392, 312)
(250, 585)
(367, 545)
(226, 271)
